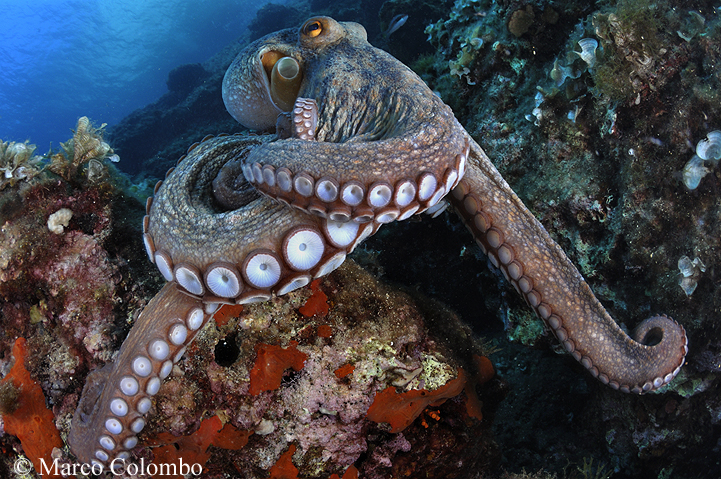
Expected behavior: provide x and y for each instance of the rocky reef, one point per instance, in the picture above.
(347, 376)
(335, 373)
(590, 111)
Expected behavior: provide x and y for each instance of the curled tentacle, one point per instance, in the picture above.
(230, 188)
(244, 254)
(538, 268)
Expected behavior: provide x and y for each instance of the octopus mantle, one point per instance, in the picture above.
(361, 141)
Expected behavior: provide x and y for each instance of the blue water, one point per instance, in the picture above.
(61, 60)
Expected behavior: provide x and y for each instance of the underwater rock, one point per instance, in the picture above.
(274, 16)
(521, 21)
(604, 181)
(72, 295)
(185, 78)
(390, 343)
(603, 186)
(151, 139)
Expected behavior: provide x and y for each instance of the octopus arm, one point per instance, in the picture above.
(117, 397)
(517, 243)
(381, 173)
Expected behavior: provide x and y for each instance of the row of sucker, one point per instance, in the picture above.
(304, 119)
(260, 257)
(501, 254)
(157, 341)
(382, 201)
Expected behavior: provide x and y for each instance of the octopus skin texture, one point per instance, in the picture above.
(360, 141)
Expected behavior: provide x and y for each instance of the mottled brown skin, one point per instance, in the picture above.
(190, 212)
(374, 114)
(377, 124)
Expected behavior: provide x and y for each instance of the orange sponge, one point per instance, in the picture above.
(350, 473)
(32, 422)
(284, 468)
(226, 312)
(400, 410)
(344, 371)
(317, 304)
(193, 449)
(484, 369)
(270, 364)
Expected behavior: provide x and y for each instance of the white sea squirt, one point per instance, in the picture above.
(690, 273)
(709, 149)
(693, 172)
(588, 51)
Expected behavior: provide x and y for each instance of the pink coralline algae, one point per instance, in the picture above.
(67, 279)
(66, 284)
(321, 414)
(82, 271)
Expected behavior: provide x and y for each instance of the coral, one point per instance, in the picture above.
(589, 471)
(69, 294)
(271, 363)
(378, 339)
(598, 160)
(604, 185)
(85, 145)
(631, 43)
(17, 163)
(63, 280)
(58, 221)
(31, 421)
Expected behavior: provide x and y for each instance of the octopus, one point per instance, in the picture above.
(360, 141)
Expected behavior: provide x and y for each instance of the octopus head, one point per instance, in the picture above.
(267, 76)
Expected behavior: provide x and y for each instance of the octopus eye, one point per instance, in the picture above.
(312, 29)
